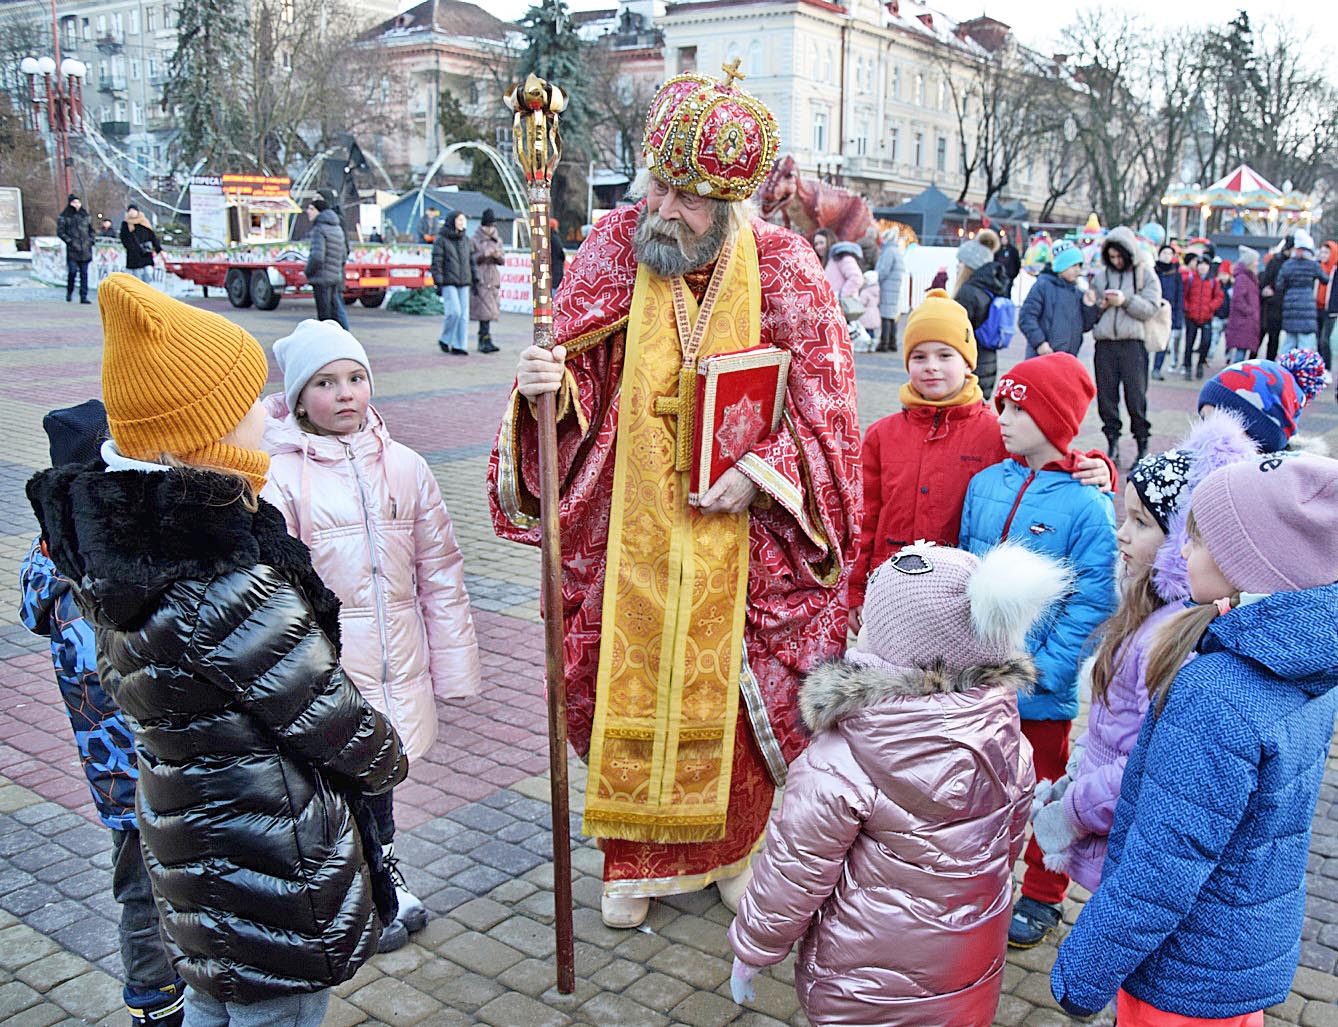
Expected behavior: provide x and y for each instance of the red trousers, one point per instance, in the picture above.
(1050, 751)
(1130, 1012)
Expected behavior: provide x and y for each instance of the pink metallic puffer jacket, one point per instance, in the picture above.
(892, 854)
(380, 537)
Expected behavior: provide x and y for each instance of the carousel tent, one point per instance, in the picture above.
(1243, 184)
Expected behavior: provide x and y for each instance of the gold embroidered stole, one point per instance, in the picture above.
(675, 585)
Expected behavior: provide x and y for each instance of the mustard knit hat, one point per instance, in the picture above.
(940, 318)
(176, 379)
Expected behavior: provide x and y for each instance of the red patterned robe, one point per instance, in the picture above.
(802, 529)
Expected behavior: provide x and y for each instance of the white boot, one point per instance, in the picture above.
(732, 888)
(622, 913)
(412, 914)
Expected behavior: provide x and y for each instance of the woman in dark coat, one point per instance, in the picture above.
(454, 272)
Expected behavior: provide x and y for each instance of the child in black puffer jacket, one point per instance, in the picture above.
(220, 644)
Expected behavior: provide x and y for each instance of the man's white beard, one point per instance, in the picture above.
(671, 250)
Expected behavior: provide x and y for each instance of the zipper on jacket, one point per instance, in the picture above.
(376, 581)
(1016, 503)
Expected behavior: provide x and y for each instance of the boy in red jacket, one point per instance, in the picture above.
(918, 462)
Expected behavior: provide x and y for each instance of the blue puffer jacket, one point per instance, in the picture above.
(1296, 285)
(1203, 891)
(1051, 513)
(1054, 312)
(106, 746)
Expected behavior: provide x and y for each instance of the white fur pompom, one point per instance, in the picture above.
(1011, 589)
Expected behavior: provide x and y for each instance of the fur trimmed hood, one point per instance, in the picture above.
(1122, 238)
(125, 537)
(839, 688)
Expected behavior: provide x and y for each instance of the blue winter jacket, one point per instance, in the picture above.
(1054, 312)
(1296, 285)
(1203, 891)
(1051, 513)
(106, 746)
(1173, 292)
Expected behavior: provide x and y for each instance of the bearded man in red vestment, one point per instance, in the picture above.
(689, 620)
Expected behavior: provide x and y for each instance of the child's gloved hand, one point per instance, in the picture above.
(1075, 761)
(1052, 829)
(741, 982)
(1047, 793)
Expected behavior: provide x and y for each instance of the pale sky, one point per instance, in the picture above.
(1038, 24)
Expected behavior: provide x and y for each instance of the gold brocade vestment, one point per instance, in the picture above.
(671, 648)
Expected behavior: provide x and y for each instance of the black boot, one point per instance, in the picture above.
(1203, 364)
(1142, 452)
(485, 338)
(1113, 447)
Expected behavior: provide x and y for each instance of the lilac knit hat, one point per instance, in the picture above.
(1218, 440)
(1269, 523)
(930, 605)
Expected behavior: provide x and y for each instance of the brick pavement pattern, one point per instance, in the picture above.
(474, 814)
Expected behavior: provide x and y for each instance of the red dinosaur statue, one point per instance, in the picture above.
(803, 205)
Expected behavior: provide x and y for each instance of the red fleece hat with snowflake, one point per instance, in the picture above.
(1055, 390)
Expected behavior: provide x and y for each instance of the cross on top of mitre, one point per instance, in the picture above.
(732, 72)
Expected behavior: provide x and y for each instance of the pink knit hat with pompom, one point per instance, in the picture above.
(930, 605)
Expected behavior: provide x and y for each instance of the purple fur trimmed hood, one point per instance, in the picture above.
(1216, 441)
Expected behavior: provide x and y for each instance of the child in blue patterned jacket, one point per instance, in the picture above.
(1198, 917)
(152, 991)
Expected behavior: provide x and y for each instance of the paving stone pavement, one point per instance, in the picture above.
(474, 814)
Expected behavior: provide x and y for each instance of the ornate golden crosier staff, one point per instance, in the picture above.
(537, 105)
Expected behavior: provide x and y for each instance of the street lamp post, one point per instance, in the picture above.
(63, 97)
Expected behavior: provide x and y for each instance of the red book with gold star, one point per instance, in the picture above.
(740, 400)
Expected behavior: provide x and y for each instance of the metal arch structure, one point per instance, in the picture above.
(516, 193)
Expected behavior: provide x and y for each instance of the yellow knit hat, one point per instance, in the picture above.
(940, 318)
(176, 379)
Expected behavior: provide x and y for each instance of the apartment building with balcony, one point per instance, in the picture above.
(860, 89)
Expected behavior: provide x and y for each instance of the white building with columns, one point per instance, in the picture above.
(859, 89)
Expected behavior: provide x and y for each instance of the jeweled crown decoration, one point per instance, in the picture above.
(706, 136)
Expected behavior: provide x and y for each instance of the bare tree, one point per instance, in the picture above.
(1292, 109)
(1002, 111)
(1135, 112)
(290, 82)
(622, 101)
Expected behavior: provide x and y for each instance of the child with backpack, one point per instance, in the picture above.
(371, 512)
(1033, 500)
(983, 288)
(220, 644)
(1198, 917)
(890, 859)
(1075, 813)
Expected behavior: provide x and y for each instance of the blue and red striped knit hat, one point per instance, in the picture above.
(1267, 395)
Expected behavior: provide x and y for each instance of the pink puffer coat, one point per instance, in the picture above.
(380, 537)
(891, 856)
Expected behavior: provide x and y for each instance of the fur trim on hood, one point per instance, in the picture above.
(836, 689)
(1123, 238)
(125, 537)
(1214, 442)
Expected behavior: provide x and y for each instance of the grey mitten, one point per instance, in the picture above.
(1054, 834)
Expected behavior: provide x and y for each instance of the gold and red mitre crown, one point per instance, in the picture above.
(706, 137)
